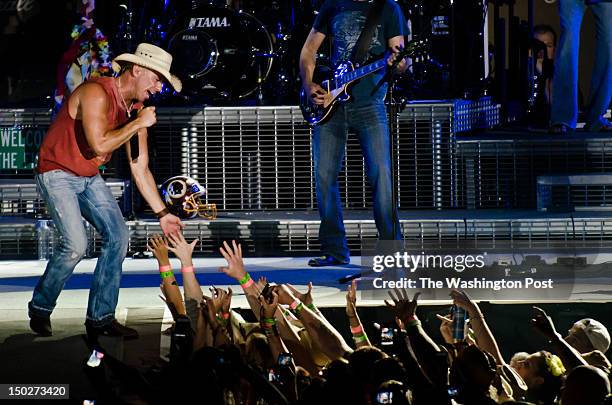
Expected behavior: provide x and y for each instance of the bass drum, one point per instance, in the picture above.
(220, 52)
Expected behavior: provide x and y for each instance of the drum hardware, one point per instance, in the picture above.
(222, 50)
(125, 34)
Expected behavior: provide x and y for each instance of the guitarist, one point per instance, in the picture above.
(364, 113)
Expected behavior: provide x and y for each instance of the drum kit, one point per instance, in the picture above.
(240, 52)
(229, 51)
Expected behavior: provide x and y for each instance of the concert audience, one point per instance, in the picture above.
(293, 355)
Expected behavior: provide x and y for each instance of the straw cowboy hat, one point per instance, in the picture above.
(151, 57)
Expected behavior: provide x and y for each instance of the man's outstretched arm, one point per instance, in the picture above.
(146, 183)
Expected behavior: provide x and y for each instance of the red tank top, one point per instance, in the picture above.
(65, 146)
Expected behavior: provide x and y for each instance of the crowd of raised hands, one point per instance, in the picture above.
(293, 354)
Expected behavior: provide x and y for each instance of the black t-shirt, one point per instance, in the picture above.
(344, 20)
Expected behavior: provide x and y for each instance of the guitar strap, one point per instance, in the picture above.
(362, 45)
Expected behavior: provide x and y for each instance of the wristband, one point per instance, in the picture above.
(298, 309)
(312, 307)
(414, 322)
(360, 338)
(247, 284)
(271, 331)
(269, 321)
(225, 315)
(294, 304)
(245, 279)
(162, 213)
(222, 321)
(356, 330)
(188, 269)
(411, 318)
(166, 274)
(165, 267)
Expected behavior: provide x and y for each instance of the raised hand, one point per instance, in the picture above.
(233, 256)
(222, 299)
(180, 247)
(446, 328)
(462, 300)
(158, 246)
(543, 323)
(268, 308)
(261, 283)
(207, 306)
(351, 300)
(306, 297)
(285, 295)
(402, 306)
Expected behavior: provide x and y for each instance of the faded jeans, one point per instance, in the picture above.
(328, 146)
(69, 199)
(564, 108)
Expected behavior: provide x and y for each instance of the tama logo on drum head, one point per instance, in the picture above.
(209, 22)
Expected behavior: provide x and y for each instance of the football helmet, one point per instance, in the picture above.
(183, 196)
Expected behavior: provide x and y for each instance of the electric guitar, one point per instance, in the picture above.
(345, 75)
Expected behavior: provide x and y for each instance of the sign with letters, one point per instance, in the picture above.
(19, 147)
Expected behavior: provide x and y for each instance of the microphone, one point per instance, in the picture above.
(134, 151)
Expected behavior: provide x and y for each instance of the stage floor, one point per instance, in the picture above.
(140, 283)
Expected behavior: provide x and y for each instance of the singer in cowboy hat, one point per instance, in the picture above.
(92, 123)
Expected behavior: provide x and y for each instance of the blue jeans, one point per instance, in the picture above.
(69, 199)
(328, 144)
(564, 108)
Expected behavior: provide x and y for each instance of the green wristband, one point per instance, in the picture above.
(414, 322)
(245, 279)
(312, 307)
(166, 274)
(270, 321)
(298, 309)
(360, 338)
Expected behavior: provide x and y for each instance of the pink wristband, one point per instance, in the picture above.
(247, 284)
(225, 315)
(356, 329)
(294, 304)
(188, 269)
(165, 267)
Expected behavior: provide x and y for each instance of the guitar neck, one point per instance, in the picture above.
(362, 71)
